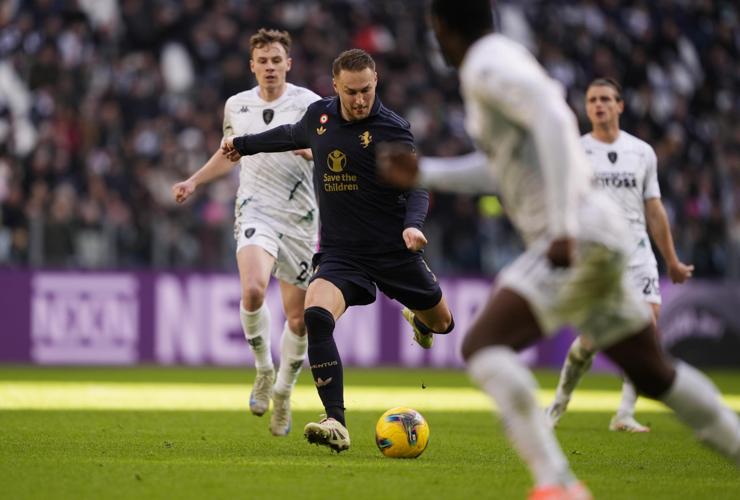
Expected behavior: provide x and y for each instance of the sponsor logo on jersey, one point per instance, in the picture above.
(612, 155)
(244, 109)
(365, 139)
(615, 180)
(339, 180)
(321, 130)
(336, 161)
(268, 115)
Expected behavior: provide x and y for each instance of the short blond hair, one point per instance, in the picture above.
(352, 60)
(267, 36)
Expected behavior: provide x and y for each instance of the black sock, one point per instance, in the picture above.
(326, 365)
(421, 326)
(425, 329)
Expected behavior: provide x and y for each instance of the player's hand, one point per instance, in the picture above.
(560, 253)
(306, 154)
(228, 149)
(414, 239)
(397, 164)
(182, 190)
(680, 272)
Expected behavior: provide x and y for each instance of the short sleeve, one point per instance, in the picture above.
(652, 188)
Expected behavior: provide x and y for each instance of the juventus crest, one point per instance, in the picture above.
(612, 155)
(267, 115)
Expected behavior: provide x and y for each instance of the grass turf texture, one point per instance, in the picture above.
(182, 433)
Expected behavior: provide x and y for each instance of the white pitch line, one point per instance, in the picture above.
(219, 397)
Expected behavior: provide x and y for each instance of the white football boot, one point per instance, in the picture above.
(281, 419)
(328, 432)
(626, 423)
(259, 399)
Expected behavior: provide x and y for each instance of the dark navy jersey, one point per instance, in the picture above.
(358, 213)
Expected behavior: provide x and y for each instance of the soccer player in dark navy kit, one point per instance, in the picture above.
(370, 232)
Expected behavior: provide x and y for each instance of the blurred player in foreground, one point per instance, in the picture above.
(370, 232)
(574, 267)
(275, 221)
(625, 168)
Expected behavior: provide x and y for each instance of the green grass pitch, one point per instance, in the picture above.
(186, 433)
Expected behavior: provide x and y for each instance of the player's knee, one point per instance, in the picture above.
(319, 324)
(297, 325)
(253, 296)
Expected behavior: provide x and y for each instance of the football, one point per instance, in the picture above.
(402, 433)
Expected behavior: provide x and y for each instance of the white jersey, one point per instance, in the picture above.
(517, 115)
(626, 170)
(274, 187)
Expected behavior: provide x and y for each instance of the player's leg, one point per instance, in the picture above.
(689, 393)
(427, 322)
(505, 325)
(577, 363)
(624, 420)
(255, 265)
(325, 303)
(409, 280)
(293, 344)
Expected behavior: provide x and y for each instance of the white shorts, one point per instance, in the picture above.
(292, 255)
(595, 294)
(645, 281)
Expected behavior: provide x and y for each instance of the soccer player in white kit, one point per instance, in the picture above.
(574, 267)
(276, 221)
(625, 168)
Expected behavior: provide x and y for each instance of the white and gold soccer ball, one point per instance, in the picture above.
(402, 433)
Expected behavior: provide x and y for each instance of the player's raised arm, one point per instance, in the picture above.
(467, 173)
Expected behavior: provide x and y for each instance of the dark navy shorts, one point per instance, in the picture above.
(401, 275)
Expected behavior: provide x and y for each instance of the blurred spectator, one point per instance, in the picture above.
(104, 103)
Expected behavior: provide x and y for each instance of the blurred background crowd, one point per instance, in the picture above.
(104, 104)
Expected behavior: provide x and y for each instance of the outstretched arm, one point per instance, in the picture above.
(214, 168)
(459, 174)
(660, 230)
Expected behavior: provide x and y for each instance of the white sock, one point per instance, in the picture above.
(697, 403)
(256, 326)
(292, 354)
(577, 363)
(629, 399)
(498, 371)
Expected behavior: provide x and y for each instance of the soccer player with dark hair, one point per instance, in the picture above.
(573, 270)
(626, 169)
(370, 232)
(275, 221)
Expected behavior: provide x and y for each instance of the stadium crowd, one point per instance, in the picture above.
(104, 104)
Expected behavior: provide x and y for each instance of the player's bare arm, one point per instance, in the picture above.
(660, 230)
(214, 168)
(397, 165)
